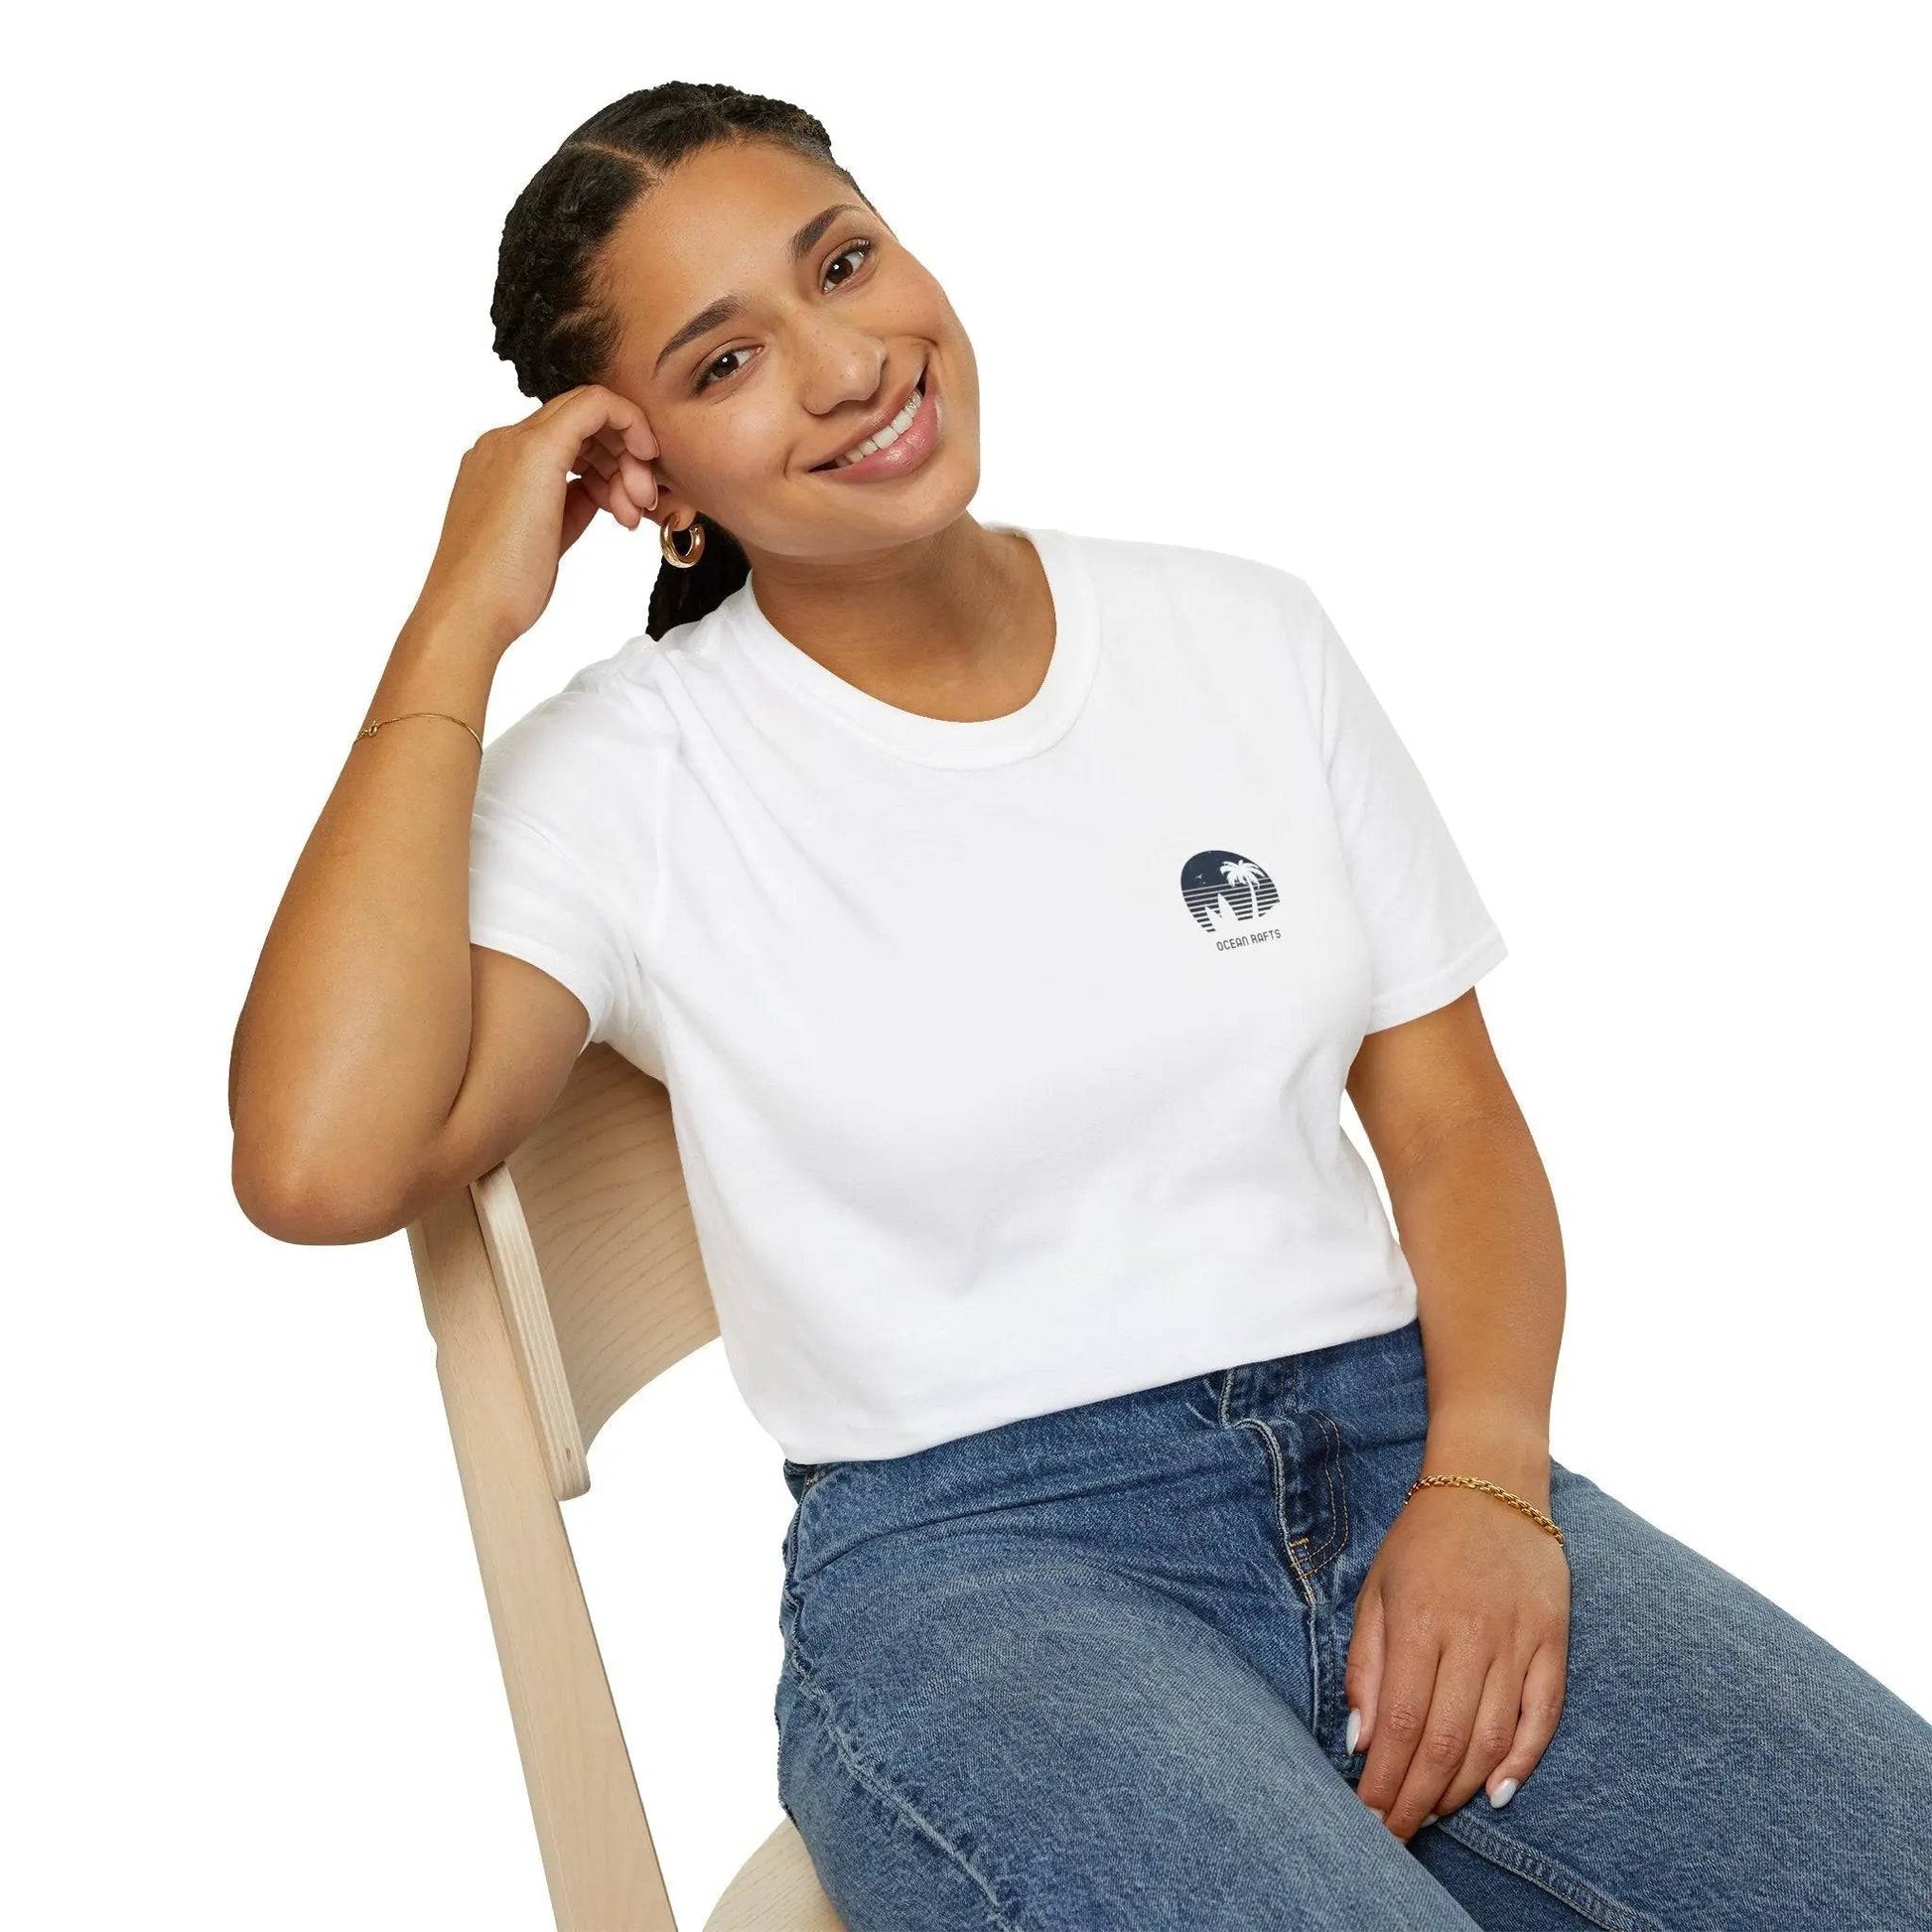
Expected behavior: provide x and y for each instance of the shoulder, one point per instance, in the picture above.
(1253, 617)
(581, 759)
(1215, 579)
(610, 705)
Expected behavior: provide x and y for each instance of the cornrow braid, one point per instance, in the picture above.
(553, 324)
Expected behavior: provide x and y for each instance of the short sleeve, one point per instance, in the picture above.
(1431, 937)
(541, 835)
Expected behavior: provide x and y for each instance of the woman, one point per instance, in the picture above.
(1007, 912)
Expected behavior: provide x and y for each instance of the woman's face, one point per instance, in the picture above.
(748, 405)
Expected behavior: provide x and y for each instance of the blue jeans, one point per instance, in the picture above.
(1086, 1670)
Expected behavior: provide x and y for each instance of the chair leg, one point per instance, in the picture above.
(598, 1854)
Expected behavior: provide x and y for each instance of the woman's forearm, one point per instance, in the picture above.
(1478, 1224)
(356, 1031)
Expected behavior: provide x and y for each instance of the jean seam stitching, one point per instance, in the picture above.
(1337, 1500)
(1279, 1480)
(878, 1786)
(1306, 1588)
(778, 1765)
(1570, 1888)
(789, 1589)
(1306, 1563)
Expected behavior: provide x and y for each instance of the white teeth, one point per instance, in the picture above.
(887, 436)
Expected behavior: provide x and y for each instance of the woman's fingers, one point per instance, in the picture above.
(608, 486)
(638, 438)
(636, 488)
(1362, 1679)
(1443, 1740)
(599, 456)
(1495, 1732)
(1400, 1717)
(610, 440)
(638, 481)
(1541, 1705)
(627, 457)
(592, 409)
(580, 505)
(609, 493)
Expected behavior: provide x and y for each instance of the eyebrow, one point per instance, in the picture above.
(727, 305)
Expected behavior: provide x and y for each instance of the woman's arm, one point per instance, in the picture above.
(1477, 1221)
(356, 1031)
(1460, 1649)
(380, 1058)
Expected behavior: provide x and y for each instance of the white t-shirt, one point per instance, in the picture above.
(1006, 1057)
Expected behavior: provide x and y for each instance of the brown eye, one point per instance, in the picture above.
(862, 249)
(711, 368)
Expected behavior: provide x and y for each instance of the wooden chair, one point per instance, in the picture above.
(556, 1285)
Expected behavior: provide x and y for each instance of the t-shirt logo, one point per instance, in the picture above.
(1231, 897)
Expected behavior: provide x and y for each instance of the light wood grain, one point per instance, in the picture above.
(775, 1891)
(557, 1286)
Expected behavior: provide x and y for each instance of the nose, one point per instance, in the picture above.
(842, 366)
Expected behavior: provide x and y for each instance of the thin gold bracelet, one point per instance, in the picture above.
(1491, 1490)
(370, 731)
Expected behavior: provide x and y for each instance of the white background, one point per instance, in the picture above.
(1577, 360)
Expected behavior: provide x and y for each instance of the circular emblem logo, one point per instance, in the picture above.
(1225, 890)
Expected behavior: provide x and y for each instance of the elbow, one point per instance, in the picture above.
(313, 1210)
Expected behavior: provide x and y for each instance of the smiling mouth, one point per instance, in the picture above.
(872, 445)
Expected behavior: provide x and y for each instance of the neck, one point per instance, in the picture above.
(955, 623)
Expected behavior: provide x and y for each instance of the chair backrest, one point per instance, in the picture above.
(588, 1231)
(557, 1285)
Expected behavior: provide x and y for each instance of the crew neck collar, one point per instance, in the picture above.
(1043, 719)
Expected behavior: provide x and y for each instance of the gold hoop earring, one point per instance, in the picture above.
(667, 542)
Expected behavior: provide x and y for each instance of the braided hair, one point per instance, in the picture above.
(552, 320)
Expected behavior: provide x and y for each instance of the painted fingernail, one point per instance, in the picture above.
(1502, 1794)
(1432, 1818)
(1355, 1732)
(1373, 1813)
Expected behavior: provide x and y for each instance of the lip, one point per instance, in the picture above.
(907, 452)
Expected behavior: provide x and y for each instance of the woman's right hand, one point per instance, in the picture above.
(524, 493)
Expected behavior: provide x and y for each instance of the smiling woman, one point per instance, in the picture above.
(1010, 912)
(800, 349)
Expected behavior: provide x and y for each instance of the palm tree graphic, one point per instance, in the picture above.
(1244, 872)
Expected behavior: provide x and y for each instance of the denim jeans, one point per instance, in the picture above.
(1086, 1670)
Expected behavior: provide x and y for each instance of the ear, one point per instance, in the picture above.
(673, 507)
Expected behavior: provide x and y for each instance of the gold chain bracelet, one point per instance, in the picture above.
(1489, 1489)
(370, 731)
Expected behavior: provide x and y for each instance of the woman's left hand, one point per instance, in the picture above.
(1458, 1655)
